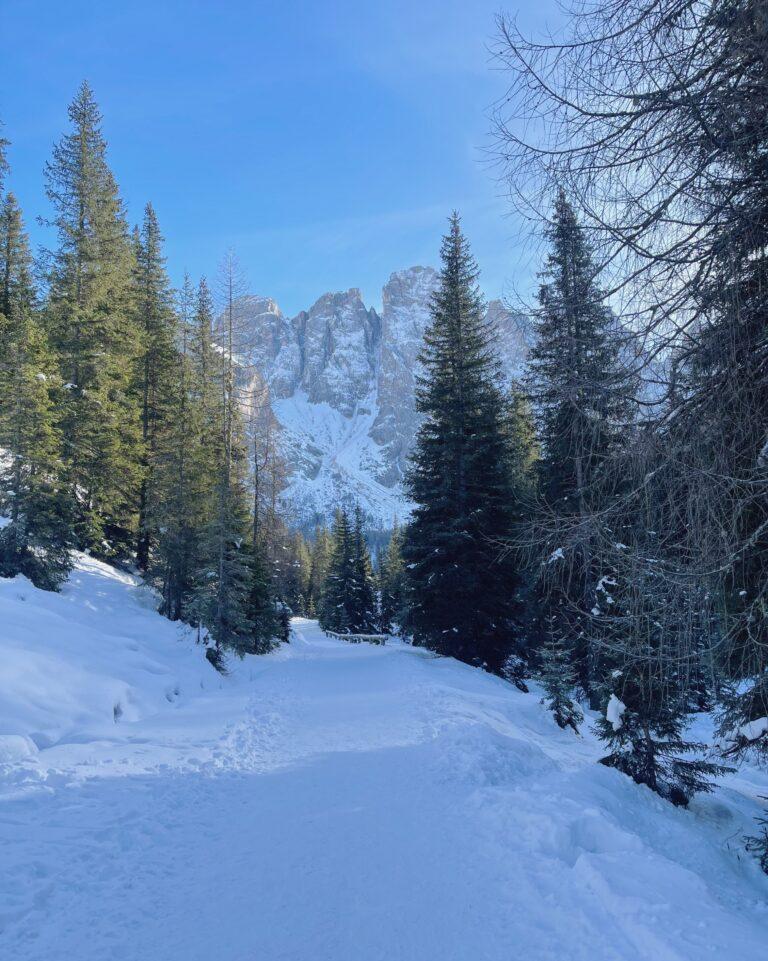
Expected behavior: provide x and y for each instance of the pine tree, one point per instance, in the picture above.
(38, 538)
(579, 392)
(294, 571)
(318, 570)
(524, 446)
(575, 376)
(90, 320)
(157, 374)
(335, 610)
(362, 594)
(392, 582)
(179, 483)
(223, 600)
(461, 584)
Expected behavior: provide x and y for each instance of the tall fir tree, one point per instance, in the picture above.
(224, 579)
(318, 569)
(335, 610)
(91, 324)
(576, 379)
(391, 578)
(157, 374)
(37, 541)
(461, 584)
(578, 388)
(363, 595)
(179, 482)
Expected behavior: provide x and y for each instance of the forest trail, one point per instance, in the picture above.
(338, 802)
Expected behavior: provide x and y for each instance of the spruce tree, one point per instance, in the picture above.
(179, 484)
(37, 541)
(224, 578)
(578, 389)
(91, 325)
(461, 583)
(318, 569)
(575, 376)
(362, 593)
(643, 726)
(269, 617)
(294, 571)
(158, 373)
(392, 583)
(336, 610)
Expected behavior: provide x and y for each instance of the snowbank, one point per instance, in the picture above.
(79, 663)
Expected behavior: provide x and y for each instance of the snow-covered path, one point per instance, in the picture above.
(353, 803)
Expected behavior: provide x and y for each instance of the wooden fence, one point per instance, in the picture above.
(359, 638)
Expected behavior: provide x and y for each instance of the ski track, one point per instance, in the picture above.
(363, 804)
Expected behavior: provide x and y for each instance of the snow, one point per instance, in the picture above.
(341, 460)
(614, 712)
(754, 729)
(329, 802)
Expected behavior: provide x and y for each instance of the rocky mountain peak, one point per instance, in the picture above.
(341, 380)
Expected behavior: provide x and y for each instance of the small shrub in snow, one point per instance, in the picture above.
(759, 845)
(643, 726)
(558, 677)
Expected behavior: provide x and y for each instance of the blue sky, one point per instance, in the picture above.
(325, 142)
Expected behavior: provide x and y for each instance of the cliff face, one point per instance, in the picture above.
(341, 382)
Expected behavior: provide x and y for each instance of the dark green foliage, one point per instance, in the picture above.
(391, 578)
(336, 611)
(318, 570)
(575, 377)
(363, 596)
(348, 604)
(33, 493)
(646, 737)
(270, 619)
(579, 392)
(91, 325)
(179, 485)
(223, 581)
(157, 376)
(759, 845)
(293, 571)
(558, 678)
(461, 583)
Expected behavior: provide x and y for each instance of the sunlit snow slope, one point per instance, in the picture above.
(330, 801)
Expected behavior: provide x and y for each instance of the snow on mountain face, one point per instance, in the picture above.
(342, 383)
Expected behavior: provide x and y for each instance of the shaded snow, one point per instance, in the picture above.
(329, 802)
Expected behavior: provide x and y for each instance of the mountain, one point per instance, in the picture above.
(340, 380)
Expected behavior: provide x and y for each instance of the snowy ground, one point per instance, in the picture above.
(331, 801)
